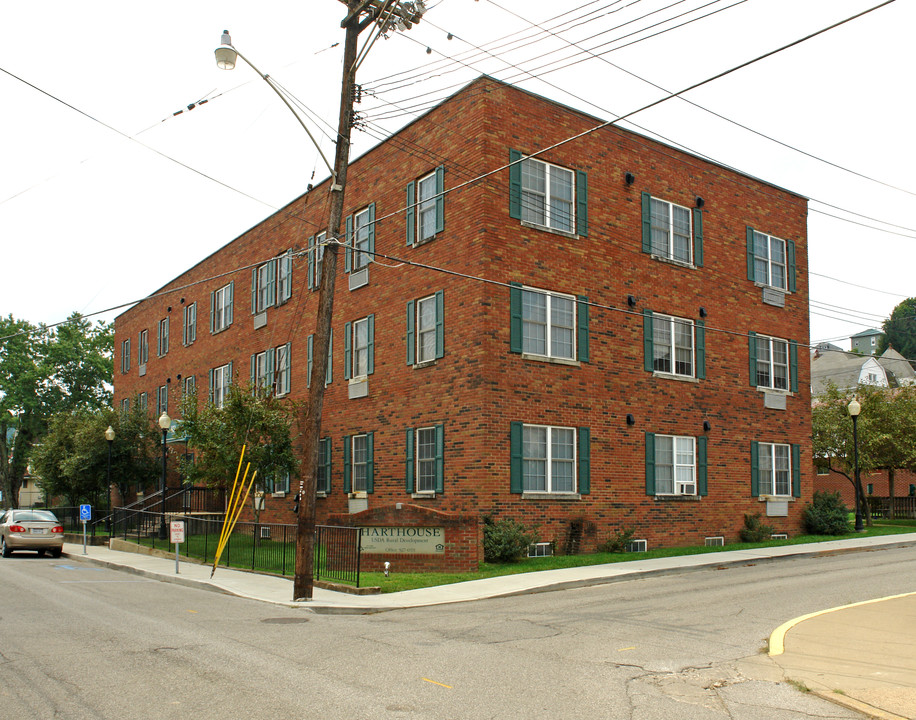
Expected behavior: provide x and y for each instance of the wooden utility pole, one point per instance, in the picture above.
(391, 13)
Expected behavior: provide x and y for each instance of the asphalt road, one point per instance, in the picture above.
(78, 641)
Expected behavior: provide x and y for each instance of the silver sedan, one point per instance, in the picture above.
(36, 530)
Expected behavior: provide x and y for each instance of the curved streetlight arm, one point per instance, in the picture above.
(273, 87)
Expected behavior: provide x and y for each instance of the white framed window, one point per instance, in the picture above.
(774, 469)
(426, 329)
(143, 399)
(125, 405)
(263, 371)
(143, 347)
(361, 240)
(359, 463)
(672, 345)
(189, 324)
(548, 324)
(671, 231)
(221, 308)
(189, 385)
(772, 363)
(548, 459)
(162, 399)
(265, 286)
(316, 258)
(162, 338)
(220, 379)
(361, 348)
(282, 362)
(284, 277)
(426, 207)
(125, 355)
(426, 459)
(770, 260)
(277, 482)
(548, 195)
(675, 465)
(323, 471)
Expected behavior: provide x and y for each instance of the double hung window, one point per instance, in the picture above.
(189, 324)
(162, 338)
(162, 399)
(775, 469)
(323, 471)
(425, 329)
(547, 195)
(770, 260)
(424, 460)
(220, 379)
(773, 363)
(670, 345)
(316, 257)
(426, 207)
(549, 459)
(359, 348)
(221, 308)
(282, 362)
(672, 232)
(125, 355)
(548, 325)
(362, 247)
(143, 347)
(189, 385)
(271, 283)
(358, 463)
(676, 465)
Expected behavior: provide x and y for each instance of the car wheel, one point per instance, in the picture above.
(41, 553)
(55, 553)
(6, 552)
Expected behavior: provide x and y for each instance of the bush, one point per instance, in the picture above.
(617, 543)
(826, 515)
(754, 530)
(506, 541)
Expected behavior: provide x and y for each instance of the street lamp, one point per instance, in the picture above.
(109, 436)
(165, 422)
(854, 408)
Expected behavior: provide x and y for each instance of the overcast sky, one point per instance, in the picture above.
(105, 195)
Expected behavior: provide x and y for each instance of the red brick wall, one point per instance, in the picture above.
(478, 388)
(835, 482)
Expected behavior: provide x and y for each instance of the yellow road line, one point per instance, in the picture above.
(777, 639)
(437, 683)
(623, 649)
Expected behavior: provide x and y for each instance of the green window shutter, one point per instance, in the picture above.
(327, 465)
(289, 365)
(515, 184)
(585, 461)
(755, 470)
(702, 466)
(346, 468)
(440, 323)
(582, 203)
(582, 349)
(210, 384)
(411, 340)
(254, 372)
(287, 263)
(329, 374)
(790, 266)
(212, 309)
(796, 471)
(312, 255)
(440, 198)
(698, 237)
(793, 365)
(752, 357)
(254, 290)
(515, 457)
(271, 353)
(440, 458)
(229, 373)
(371, 334)
(410, 214)
(184, 325)
(750, 254)
(348, 255)
(701, 349)
(231, 303)
(650, 463)
(347, 340)
(648, 342)
(372, 232)
(408, 461)
(370, 463)
(310, 346)
(271, 283)
(515, 317)
(646, 222)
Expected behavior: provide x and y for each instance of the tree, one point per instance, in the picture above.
(257, 420)
(44, 371)
(72, 459)
(886, 430)
(900, 331)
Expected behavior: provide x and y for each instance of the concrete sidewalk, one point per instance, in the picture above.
(852, 655)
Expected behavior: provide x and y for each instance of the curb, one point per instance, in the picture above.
(870, 711)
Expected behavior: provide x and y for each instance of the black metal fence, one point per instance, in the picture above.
(904, 507)
(337, 552)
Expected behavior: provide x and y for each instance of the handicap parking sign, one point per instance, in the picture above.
(85, 512)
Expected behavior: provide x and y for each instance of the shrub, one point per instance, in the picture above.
(754, 530)
(826, 515)
(617, 543)
(506, 541)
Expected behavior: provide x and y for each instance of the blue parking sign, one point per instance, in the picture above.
(85, 512)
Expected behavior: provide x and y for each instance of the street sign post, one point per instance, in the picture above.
(85, 516)
(176, 535)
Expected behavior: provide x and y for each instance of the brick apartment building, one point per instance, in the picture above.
(614, 346)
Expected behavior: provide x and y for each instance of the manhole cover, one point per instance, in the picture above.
(284, 620)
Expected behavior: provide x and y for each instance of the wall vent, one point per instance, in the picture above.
(541, 549)
(780, 536)
(265, 532)
(717, 541)
(637, 546)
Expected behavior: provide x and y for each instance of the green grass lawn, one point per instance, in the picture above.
(278, 558)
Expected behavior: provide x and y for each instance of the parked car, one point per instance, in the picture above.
(31, 530)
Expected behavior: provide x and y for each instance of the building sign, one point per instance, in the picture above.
(403, 540)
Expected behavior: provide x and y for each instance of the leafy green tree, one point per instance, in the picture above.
(45, 371)
(72, 459)
(900, 331)
(259, 421)
(886, 430)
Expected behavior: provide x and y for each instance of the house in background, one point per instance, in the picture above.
(848, 369)
(865, 342)
(528, 324)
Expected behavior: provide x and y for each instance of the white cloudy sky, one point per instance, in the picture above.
(105, 195)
